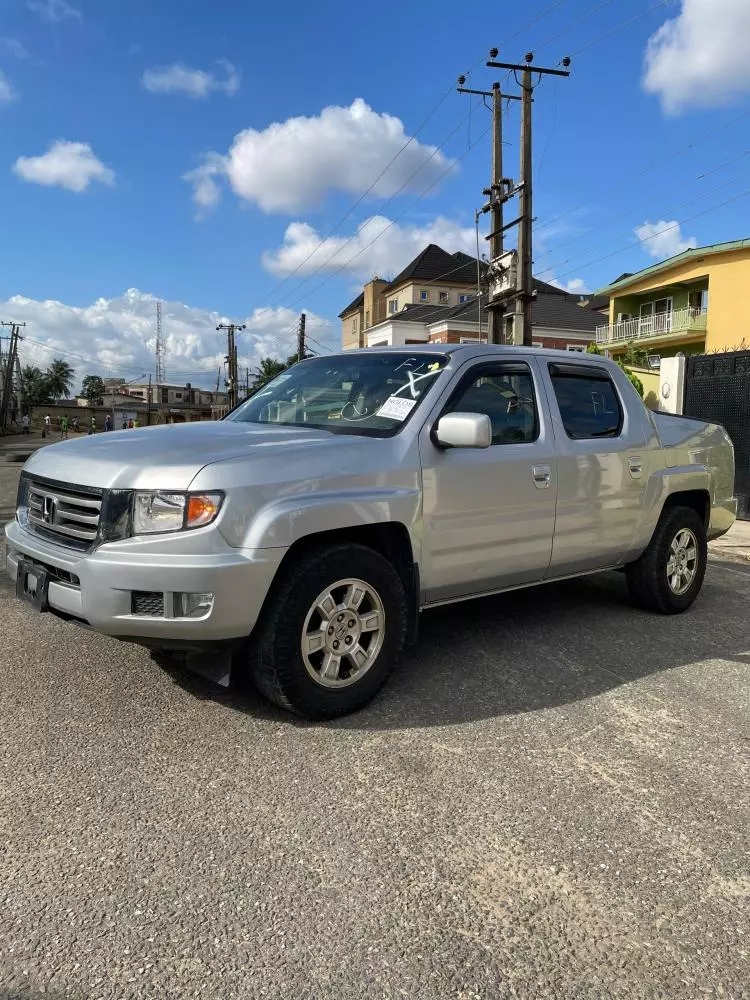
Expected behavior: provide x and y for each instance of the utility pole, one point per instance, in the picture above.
(301, 337)
(148, 409)
(231, 359)
(495, 192)
(10, 364)
(524, 295)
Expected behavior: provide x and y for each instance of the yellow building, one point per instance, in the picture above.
(697, 301)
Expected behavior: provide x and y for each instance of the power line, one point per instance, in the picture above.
(647, 239)
(393, 221)
(646, 170)
(619, 27)
(671, 211)
(528, 24)
(630, 211)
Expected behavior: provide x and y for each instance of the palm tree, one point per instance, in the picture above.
(60, 376)
(267, 369)
(36, 387)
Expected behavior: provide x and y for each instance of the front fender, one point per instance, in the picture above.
(286, 520)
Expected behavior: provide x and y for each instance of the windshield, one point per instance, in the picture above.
(358, 394)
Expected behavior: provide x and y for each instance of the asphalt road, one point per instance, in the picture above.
(550, 799)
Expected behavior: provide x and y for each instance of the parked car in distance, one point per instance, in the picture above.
(298, 539)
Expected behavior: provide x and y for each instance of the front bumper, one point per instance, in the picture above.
(103, 581)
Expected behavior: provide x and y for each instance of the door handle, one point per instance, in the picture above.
(541, 475)
(635, 464)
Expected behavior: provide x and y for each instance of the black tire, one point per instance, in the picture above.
(647, 578)
(277, 664)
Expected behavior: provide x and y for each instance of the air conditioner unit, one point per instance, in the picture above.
(623, 317)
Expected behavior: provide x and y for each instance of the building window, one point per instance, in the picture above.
(444, 298)
(575, 347)
(367, 320)
(393, 305)
(165, 395)
(355, 324)
(424, 296)
(465, 298)
(656, 317)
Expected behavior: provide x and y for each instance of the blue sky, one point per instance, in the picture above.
(106, 107)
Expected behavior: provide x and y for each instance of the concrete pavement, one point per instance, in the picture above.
(549, 800)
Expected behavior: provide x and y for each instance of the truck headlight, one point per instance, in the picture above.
(158, 512)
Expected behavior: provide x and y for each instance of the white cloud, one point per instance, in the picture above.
(290, 166)
(576, 286)
(15, 47)
(7, 94)
(71, 165)
(195, 83)
(118, 336)
(663, 239)
(701, 58)
(390, 252)
(206, 193)
(53, 11)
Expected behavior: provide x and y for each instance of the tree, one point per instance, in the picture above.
(36, 387)
(93, 389)
(632, 356)
(60, 376)
(267, 369)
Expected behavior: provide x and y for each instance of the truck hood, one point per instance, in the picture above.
(169, 457)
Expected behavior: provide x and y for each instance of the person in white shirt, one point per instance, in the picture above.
(25, 421)
(47, 425)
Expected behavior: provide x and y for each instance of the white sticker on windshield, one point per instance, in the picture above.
(396, 407)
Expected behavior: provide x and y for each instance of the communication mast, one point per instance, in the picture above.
(160, 348)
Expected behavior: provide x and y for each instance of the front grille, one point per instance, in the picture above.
(67, 514)
(148, 602)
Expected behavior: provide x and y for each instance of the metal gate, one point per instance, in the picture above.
(717, 388)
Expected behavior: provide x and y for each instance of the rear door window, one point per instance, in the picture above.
(589, 405)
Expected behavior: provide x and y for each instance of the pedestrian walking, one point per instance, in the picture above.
(76, 428)
(92, 426)
(47, 426)
(130, 423)
(108, 422)
(136, 423)
(64, 427)
(124, 423)
(25, 421)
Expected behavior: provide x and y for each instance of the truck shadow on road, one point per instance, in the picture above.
(534, 649)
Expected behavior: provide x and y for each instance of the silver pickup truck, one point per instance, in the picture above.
(297, 540)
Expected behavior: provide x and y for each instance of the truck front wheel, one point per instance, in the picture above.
(332, 633)
(668, 576)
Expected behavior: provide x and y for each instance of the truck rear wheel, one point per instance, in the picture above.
(668, 576)
(332, 633)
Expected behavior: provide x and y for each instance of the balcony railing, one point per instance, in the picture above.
(657, 325)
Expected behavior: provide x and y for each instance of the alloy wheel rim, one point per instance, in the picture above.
(682, 562)
(343, 633)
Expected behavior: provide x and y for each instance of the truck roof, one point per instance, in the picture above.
(481, 350)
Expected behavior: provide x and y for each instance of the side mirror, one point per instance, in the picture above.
(464, 430)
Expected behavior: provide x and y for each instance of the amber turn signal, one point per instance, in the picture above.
(202, 508)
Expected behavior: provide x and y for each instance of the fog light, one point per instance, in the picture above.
(192, 605)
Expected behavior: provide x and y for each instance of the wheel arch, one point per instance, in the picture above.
(390, 539)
